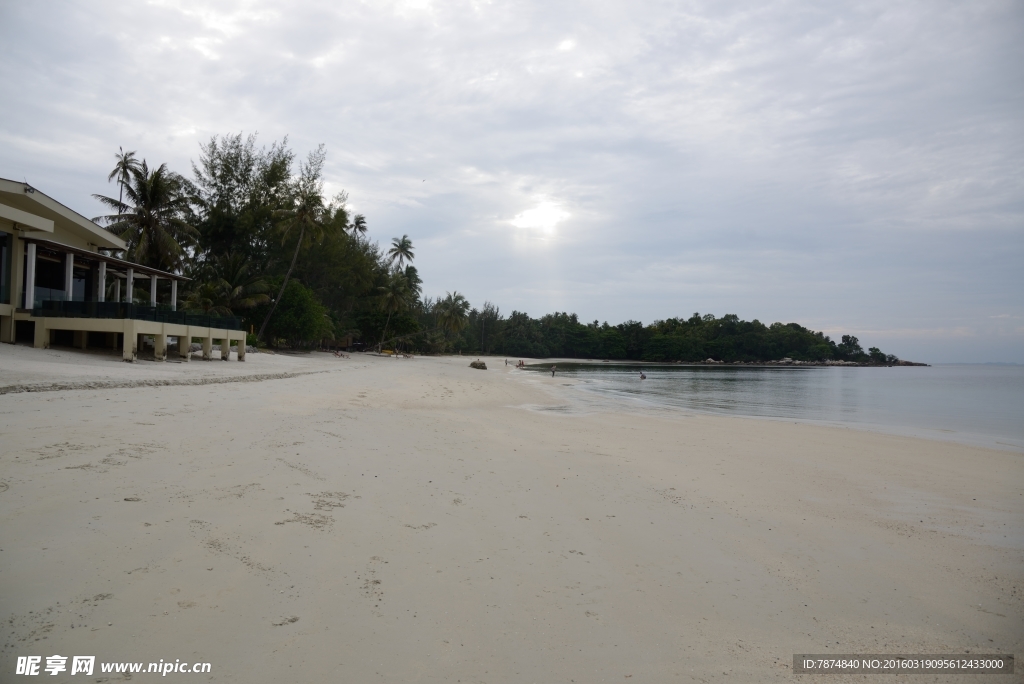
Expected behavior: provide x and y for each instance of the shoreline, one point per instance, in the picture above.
(418, 524)
(732, 364)
(588, 395)
(538, 363)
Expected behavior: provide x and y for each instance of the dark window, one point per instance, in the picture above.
(82, 284)
(49, 273)
(25, 331)
(63, 338)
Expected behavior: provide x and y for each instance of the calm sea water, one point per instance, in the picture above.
(974, 404)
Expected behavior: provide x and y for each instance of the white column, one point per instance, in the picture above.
(30, 276)
(152, 290)
(128, 285)
(69, 276)
(101, 295)
(174, 295)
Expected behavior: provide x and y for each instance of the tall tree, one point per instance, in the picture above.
(126, 162)
(412, 276)
(308, 215)
(401, 251)
(152, 216)
(359, 225)
(238, 189)
(452, 313)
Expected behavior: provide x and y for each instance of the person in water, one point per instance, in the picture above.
(553, 371)
(642, 376)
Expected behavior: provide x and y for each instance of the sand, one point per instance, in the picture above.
(415, 520)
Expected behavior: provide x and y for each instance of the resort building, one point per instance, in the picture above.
(61, 284)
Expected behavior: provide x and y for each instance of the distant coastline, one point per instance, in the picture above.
(785, 361)
(700, 339)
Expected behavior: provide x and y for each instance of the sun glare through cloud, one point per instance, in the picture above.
(543, 218)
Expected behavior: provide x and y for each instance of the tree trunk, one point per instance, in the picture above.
(381, 345)
(287, 275)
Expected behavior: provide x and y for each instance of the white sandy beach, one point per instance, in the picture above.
(380, 520)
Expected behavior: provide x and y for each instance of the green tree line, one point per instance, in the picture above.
(696, 338)
(254, 231)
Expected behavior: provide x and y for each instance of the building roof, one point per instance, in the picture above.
(36, 211)
(96, 256)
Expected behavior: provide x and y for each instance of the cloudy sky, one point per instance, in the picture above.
(856, 167)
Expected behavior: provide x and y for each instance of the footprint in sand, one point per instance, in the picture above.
(325, 501)
(372, 586)
(318, 521)
(58, 450)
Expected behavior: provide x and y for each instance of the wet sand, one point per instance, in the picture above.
(413, 521)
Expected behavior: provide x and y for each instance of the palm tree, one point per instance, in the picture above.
(412, 276)
(151, 215)
(401, 251)
(126, 162)
(394, 297)
(228, 287)
(205, 299)
(358, 226)
(452, 313)
(242, 289)
(309, 215)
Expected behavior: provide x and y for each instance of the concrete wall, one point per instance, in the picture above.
(132, 331)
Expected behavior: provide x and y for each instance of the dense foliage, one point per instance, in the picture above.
(260, 240)
(255, 233)
(696, 338)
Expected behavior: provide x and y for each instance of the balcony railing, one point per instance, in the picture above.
(54, 308)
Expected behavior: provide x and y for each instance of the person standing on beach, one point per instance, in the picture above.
(553, 371)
